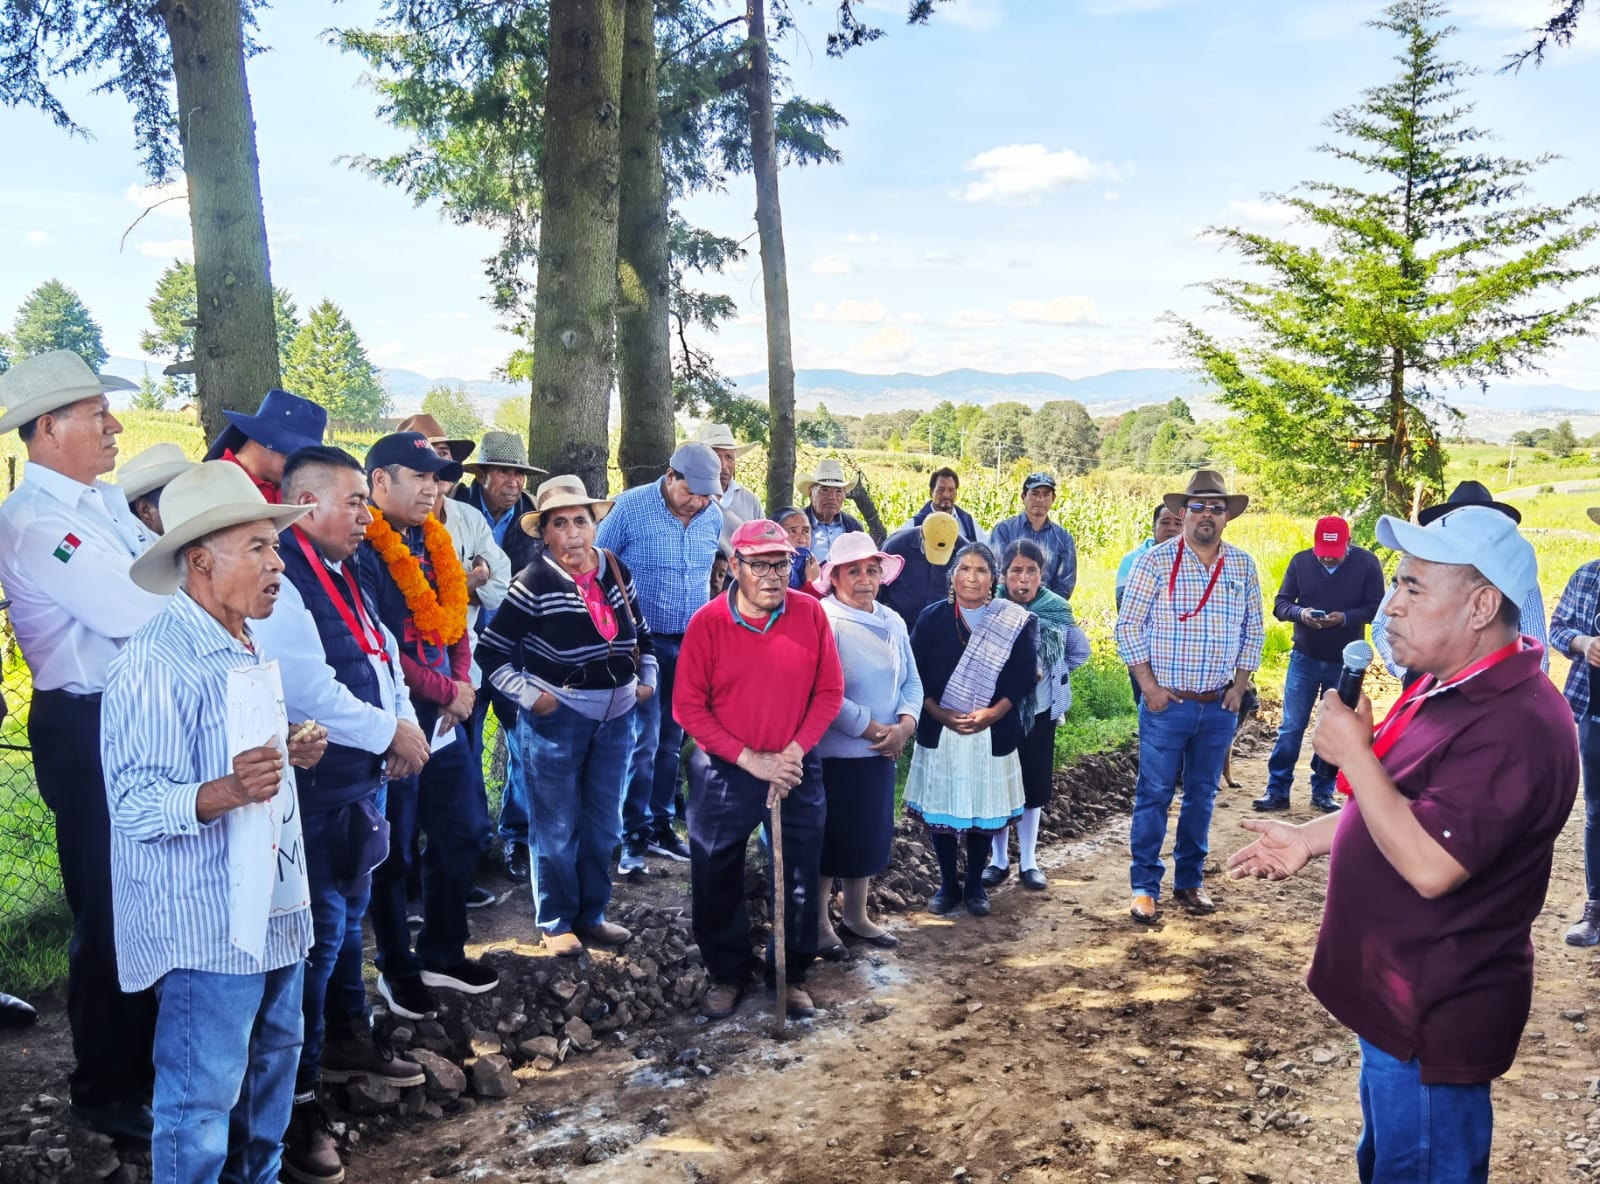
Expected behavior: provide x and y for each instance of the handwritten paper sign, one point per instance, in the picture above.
(266, 851)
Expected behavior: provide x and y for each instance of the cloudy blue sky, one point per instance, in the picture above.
(1022, 186)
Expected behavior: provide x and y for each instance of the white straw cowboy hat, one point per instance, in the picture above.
(460, 447)
(210, 497)
(156, 466)
(48, 382)
(720, 435)
(828, 472)
(503, 450)
(561, 493)
(1207, 483)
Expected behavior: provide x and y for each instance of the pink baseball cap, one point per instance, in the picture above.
(761, 536)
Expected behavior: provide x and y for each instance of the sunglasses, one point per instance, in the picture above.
(1198, 507)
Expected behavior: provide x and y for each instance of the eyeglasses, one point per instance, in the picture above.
(1217, 507)
(764, 567)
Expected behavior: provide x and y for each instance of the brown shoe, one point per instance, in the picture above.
(797, 1002)
(363, 1056)
(1195, 900)
(1143, 909)
(563, 945)
(606, 933)
(721, 1001)
(310, 1155)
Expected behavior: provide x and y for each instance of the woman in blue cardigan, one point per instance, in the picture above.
(976, 656)
(570, 647)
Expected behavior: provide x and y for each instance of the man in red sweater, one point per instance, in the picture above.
(758, 683)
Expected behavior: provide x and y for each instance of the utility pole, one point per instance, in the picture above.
(999, 449)
(1511, 465)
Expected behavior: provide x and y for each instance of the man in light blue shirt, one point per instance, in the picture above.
(192, 830)
(1167, 524)
(668, 533)
(1060, 552)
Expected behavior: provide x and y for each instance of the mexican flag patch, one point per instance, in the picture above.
(67, 547)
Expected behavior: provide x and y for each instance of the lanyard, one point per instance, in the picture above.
(360, 625)
(1387, 734)
(1172, 582)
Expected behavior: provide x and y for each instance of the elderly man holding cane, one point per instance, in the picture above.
(209, 887)
(759, 682)
(1439, 864)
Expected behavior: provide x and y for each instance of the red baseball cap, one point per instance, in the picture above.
(1331, 539)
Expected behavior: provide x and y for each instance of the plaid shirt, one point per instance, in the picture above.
(670, 560)
(1532, 625)
(1577, 615)
(1202, 653)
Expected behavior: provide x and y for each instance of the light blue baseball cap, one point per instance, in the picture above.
(1476, 535)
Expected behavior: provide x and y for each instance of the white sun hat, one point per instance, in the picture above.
(48, 382)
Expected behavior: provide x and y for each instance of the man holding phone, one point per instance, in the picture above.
(1330, 592)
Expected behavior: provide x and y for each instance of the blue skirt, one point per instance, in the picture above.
(858, 831)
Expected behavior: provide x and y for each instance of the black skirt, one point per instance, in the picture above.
(859, 829)
(1037, 752)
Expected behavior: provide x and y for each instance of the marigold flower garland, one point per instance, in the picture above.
(444, 616)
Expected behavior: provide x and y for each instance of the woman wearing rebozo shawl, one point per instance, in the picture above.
(882, 698)
(1063, 647)
(976, 656)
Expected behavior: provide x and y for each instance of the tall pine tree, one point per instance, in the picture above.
(328, 365)
(52, 317)
(1435, 272)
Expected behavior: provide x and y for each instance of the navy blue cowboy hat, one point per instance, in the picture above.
(284, 423)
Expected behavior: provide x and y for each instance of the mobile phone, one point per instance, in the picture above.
(1315, 613)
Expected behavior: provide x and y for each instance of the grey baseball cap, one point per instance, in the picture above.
(699, 467)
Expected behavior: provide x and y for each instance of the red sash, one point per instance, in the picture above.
(1172, 583)
(1387, 734)
(368, 636)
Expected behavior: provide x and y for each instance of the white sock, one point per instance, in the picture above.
(1028, 838)
(998, 856)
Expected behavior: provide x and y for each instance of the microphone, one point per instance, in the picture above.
(1357, 657)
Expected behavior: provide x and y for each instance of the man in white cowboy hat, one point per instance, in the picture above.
(260, 443)
(1439, 864)
(667, 534)
(499, 489)
(1575, 632)
(209, 885)
(67, 541)
(341, 667)
(738, 504)
(824, 490)
(1191, 632)
(144, 477)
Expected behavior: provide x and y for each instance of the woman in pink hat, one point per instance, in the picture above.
(882, 697)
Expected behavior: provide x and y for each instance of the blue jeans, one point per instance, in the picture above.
(445, 803)
(513, 821)
(1413, 1133)
(657, 750)
(1193, 737)
(1308, 679)
(1589, 759)
(225, 1053)
(575, 812)
(335, 997)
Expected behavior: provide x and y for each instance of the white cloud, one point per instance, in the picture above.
(943, 258)
(1262, 212)
(889, 346)
(850, 312)
(974, 317)
(1504, 14)
(170, 248)
(1021, 174)
(907, 318)
(1112, 195)
(163, 201)
(832, 265)
(855, 239)
(39, 238)
(1058, 310)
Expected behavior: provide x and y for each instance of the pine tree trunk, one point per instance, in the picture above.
(774, 263)
(575, 298)
(236, 339)
(1396, 477)
(644, 355)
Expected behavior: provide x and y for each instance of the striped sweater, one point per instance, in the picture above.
(542, 634)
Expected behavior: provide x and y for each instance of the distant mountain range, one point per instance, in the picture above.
(1495, 415)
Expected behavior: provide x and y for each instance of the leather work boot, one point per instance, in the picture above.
(1587, 931)
(364, 1056)
(310, 1154)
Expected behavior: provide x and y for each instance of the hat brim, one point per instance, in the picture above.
(157, 569)
(1439, 509)
(1237, 502)
(1594, 515)
(476, 468)
(805, 483)
(459, 449)
(532, 522)
(31, 409)
(892, 565)
(152, 478)
(268, 433)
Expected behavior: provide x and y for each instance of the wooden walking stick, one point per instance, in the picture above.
(780, 900)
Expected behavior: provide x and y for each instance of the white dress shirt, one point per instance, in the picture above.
(65, 551)
(474, 536)
(738, 506)
(310, 689)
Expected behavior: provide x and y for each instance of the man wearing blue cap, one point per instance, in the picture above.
(260, 443)
(668, 533)
(1439, 864)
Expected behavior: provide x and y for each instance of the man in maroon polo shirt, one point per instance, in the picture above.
(1439, 864)
(759, 681)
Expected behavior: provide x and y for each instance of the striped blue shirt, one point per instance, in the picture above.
(670, 559)
(163, 733)
(1577, 615)
(1532, 625)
